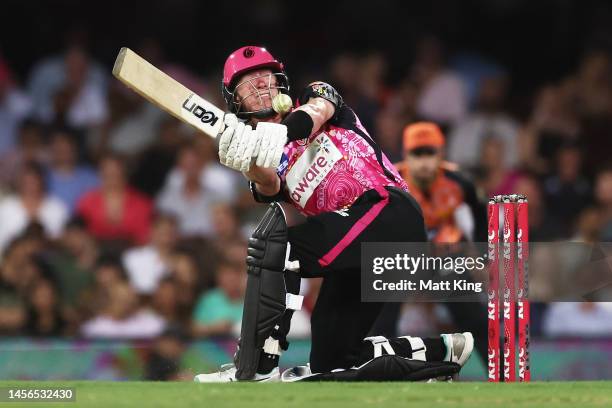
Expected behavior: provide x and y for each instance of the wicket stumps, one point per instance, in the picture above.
(515, 235)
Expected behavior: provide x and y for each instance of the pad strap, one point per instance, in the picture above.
(418, 347)
(380, 343)
(294, 302)
(272, 346)
(293, 266)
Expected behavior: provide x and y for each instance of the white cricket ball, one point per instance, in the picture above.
(282, 103)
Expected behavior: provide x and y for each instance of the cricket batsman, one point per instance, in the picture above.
(318, 157)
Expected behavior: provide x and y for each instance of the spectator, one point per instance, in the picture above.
(157, 161)
(18, 269)
(553, 123)
(584, 319)
(187, 199)
(13, 314)
(44, 311)
(443, 97)
(67, 179)
(371, 83)
(188, 279)
(148, 264)
(22, 266)
(130, 127)
(115, 211)
(594, 88)
(73, 264)
(439, 192)
(603, 198)
(567, 191)
(542, 227)
(468, 135)
(31, 204)
(164, 362)
(226, 225)
(14, 107)
(121, 317)
(344, 73)
(69, 89)
(389, 134)
(30, 149)
(219, 311)
(216, 179)
(424, 318)
(107, 272)
(588, 226)
(165, 301)
(496, 177)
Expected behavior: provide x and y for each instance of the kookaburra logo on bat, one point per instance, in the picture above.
(199, 112)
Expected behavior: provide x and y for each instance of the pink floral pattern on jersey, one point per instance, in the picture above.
(339, 189)
(357, 171)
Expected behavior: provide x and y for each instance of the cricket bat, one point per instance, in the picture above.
(167, 93)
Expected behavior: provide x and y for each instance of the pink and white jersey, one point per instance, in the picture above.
(333, 167)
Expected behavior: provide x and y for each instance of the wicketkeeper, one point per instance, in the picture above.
(318, 157)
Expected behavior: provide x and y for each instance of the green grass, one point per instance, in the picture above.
(336, 395)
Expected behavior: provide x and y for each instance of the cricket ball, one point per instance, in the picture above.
(282, 103)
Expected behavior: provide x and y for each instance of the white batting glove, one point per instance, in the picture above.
(272, 139)
(237, 144)
(231, 123)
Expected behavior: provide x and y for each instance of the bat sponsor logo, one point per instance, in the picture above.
(205, 116)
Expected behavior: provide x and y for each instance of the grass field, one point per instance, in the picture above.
(387, 395)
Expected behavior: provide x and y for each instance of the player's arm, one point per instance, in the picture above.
(265, 184)
(319, 102)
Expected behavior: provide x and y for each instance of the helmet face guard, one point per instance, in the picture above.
(239, 63)
(276, 82)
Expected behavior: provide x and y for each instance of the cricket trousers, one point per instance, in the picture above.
(328, 245)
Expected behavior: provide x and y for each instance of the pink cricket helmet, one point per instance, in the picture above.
(247, 59)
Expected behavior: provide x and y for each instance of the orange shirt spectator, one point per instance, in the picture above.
(447, 217)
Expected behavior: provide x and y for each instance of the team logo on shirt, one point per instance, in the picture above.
(311, 168)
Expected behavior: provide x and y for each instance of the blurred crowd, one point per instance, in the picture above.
(116, 221)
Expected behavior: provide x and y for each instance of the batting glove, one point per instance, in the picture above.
(273, 137)
(237, 144)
